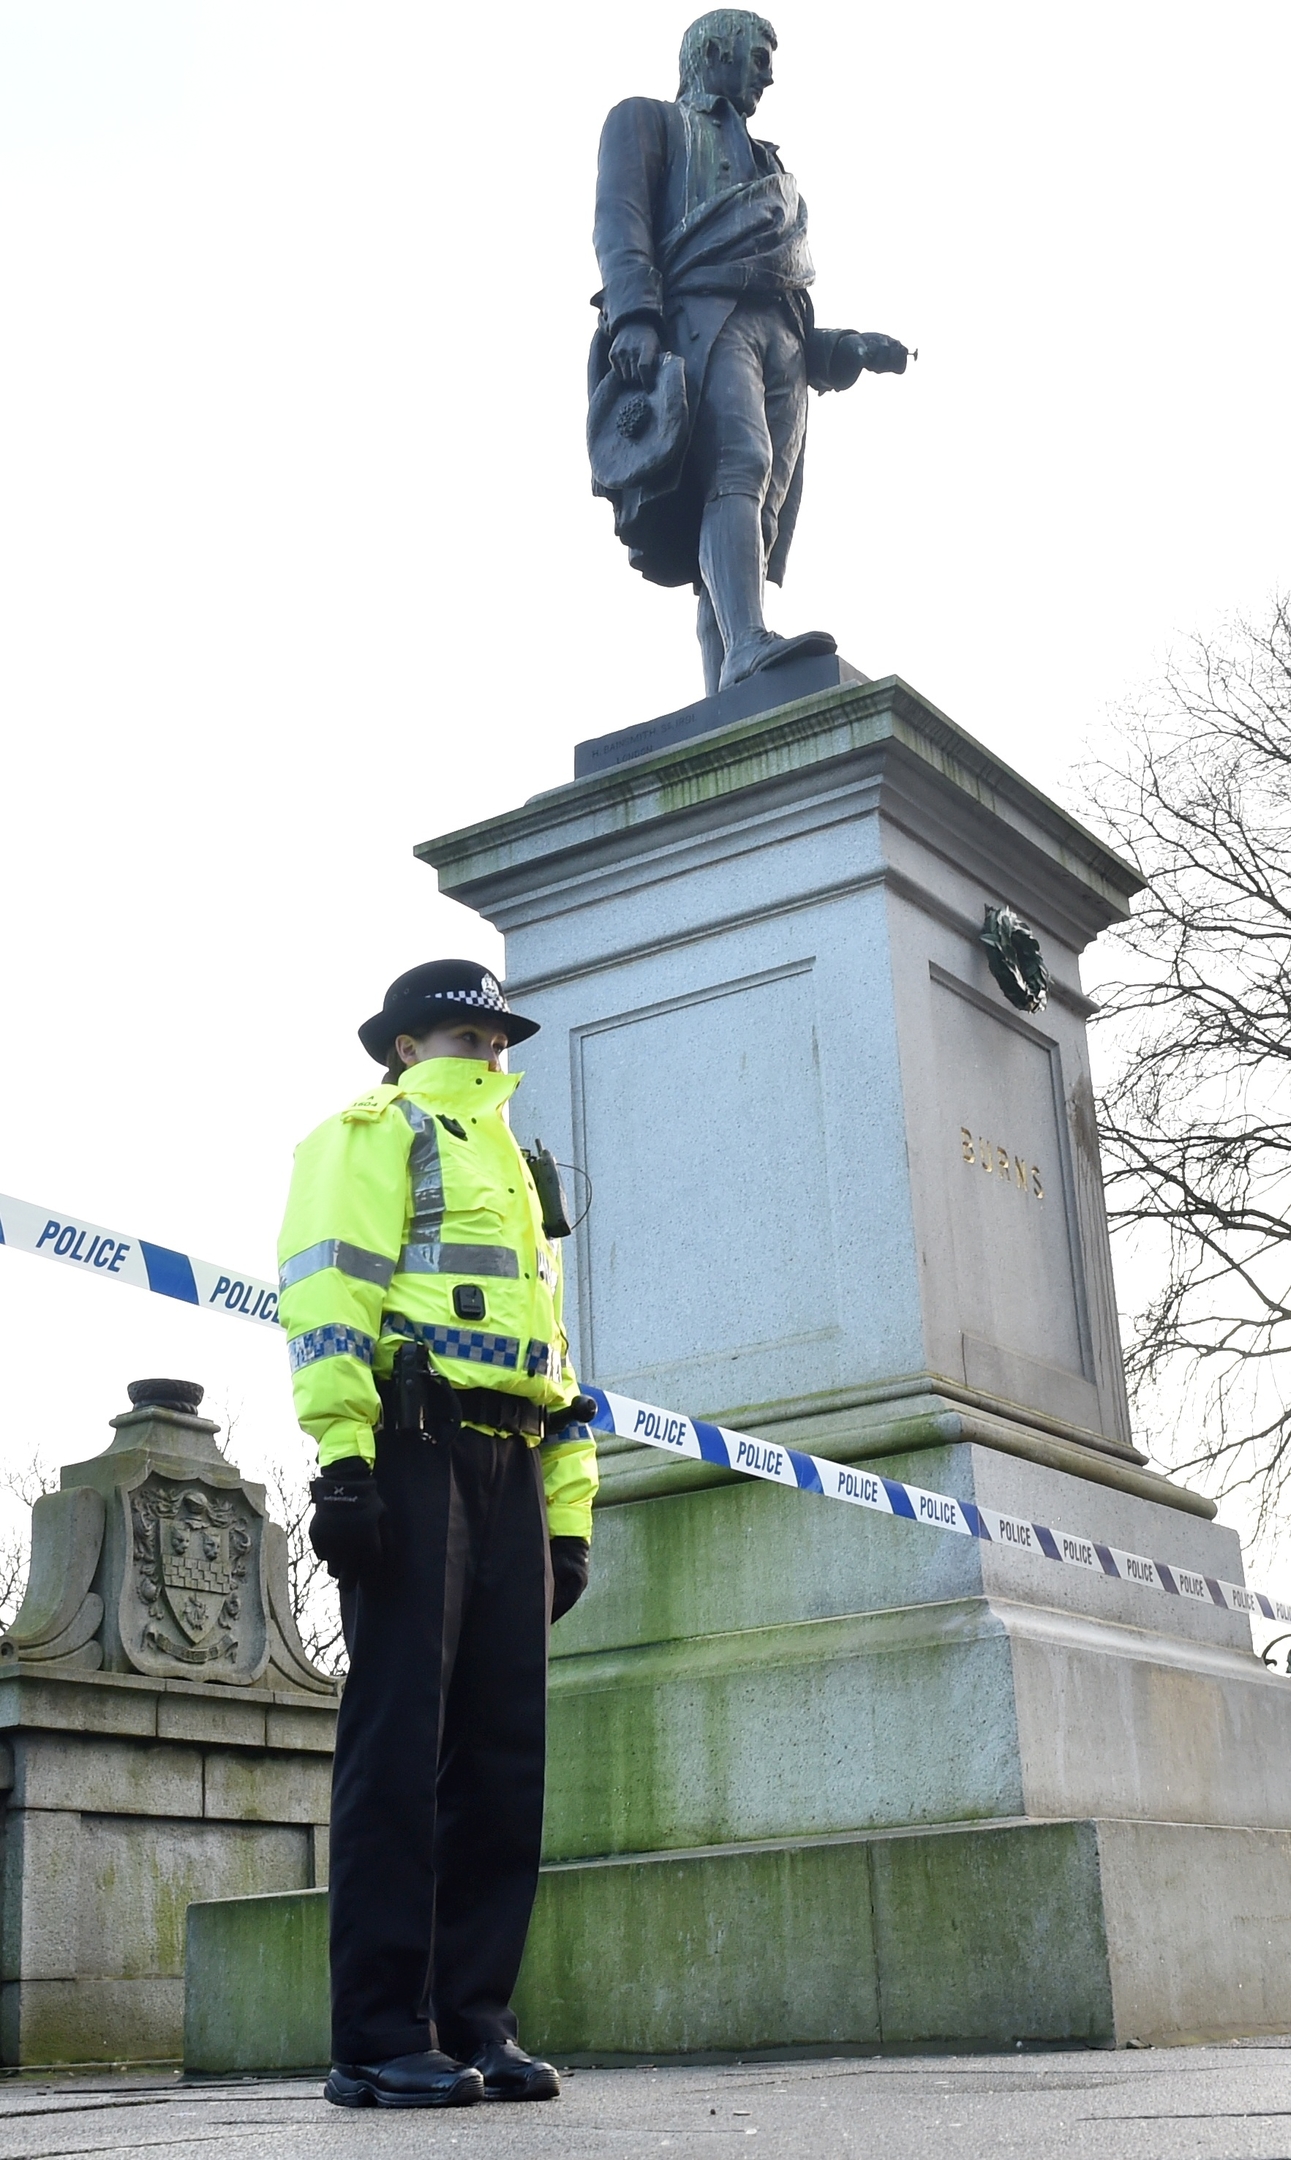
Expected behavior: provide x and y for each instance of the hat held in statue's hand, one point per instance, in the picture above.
(635, 435)
(436, 995)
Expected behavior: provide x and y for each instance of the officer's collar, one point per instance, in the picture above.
(459, 1081)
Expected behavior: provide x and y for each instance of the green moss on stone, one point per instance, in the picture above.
(256, 1983)
(986, 1935)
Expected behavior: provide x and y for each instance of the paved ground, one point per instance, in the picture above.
(1203, 2103)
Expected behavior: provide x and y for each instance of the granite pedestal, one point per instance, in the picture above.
(807, 1766)
(820, 1778)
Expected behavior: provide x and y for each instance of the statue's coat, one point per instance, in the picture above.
(694, 214)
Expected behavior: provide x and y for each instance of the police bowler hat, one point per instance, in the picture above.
(434, 996)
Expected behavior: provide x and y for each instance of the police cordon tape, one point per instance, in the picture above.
(199, 1282)
(701, 1441)
(107, 1253)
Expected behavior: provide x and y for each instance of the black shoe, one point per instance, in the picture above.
(426, 2080)
(510, 2074)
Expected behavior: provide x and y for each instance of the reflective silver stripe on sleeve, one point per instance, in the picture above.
(370, 1267)
(426, 1176)
(458, 1260)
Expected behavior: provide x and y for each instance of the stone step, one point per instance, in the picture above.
(255, 1983)
(1089, 1931)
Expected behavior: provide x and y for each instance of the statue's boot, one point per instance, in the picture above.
(733, 567)
(761, 649)
(712, 650)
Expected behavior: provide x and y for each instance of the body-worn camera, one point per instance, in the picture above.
(550, 1191)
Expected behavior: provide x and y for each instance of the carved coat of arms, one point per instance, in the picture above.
(193, 1597)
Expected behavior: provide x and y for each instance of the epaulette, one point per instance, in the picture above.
(366, 1109)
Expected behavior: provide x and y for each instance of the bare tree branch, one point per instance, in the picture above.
(25, 1486)
(1195, 1115)
(314, 1604)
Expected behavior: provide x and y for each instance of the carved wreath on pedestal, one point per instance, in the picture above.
(1013, 956)
(196, 1561)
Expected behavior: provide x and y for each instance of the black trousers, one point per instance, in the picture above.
(437, 1785)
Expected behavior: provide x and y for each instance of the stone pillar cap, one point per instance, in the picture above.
(185, 1395)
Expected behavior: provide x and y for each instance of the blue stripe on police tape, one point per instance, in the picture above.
(712, 1446)
(170, 1274)
(702, 1441)
(900, 1498)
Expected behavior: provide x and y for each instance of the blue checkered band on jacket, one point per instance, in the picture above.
(543, 1358)
(568, 1433)
(331, 1341)
(470, 1344)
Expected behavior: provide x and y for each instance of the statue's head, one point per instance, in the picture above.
(728, 54)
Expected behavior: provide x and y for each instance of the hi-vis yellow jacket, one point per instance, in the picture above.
(407, 1194)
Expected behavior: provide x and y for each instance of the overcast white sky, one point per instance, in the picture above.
(299, 562)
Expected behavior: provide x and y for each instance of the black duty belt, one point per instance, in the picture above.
(431, 1406)
(505, 1413)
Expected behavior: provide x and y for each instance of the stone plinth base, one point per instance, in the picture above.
(818, 1779)
(125, 1799)
(764, 692)
(751, 1665)
(256, 1993)
(824, 1779)
(1087, 1931)
(1079, 1932)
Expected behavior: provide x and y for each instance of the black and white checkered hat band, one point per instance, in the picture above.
(488, 997)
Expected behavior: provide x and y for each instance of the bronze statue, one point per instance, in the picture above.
(707, 343)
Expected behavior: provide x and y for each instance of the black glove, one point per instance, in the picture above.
(345, 1527)
(580, 1412)
(569, 1561)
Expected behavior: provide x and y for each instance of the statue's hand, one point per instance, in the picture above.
(634, 355)
(873, 351)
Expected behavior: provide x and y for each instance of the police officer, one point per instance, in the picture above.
(421, 1294)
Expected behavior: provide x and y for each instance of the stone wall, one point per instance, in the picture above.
(163, 1738)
